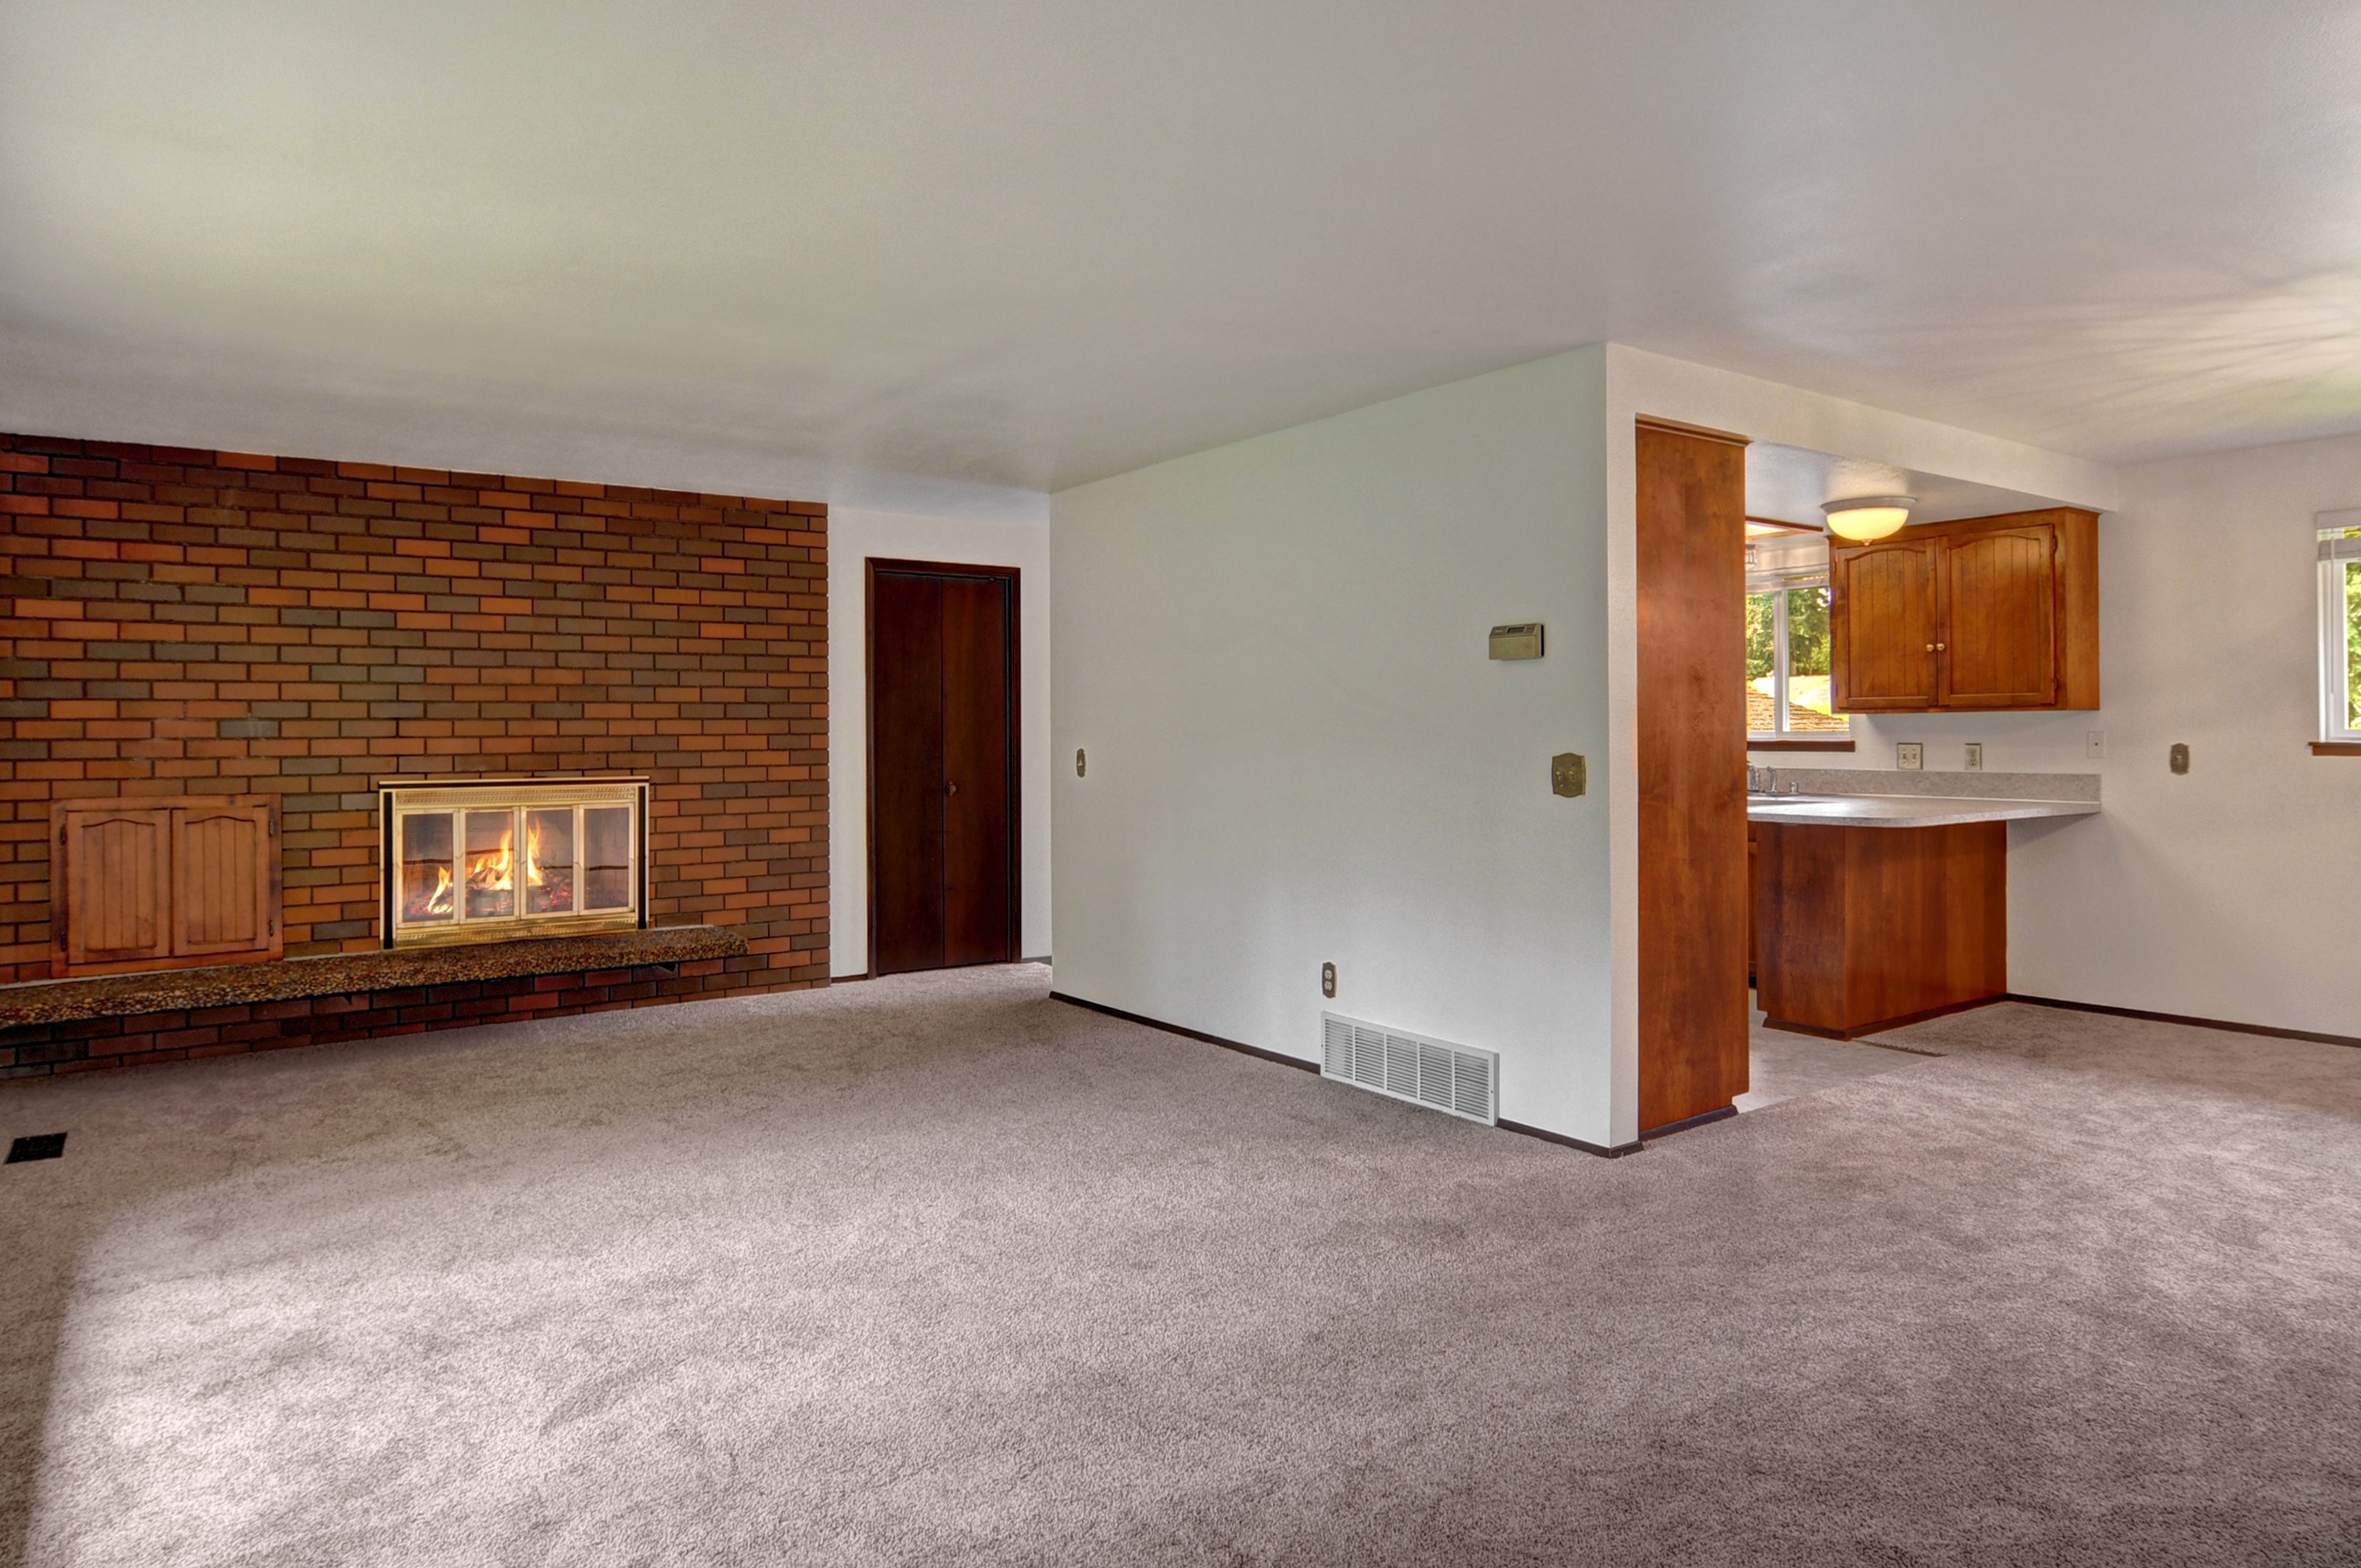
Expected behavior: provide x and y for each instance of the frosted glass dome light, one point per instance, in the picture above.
(1868, 517)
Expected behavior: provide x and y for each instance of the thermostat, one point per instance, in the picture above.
(1522, 640)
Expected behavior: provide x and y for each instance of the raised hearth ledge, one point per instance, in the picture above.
(346, 974)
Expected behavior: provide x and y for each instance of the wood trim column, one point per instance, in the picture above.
(1691, 751)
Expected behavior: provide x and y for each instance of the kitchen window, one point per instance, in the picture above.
(1787, 692)
(2340, 634)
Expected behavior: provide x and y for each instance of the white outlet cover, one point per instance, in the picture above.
(2095, 746)
(1975, 756)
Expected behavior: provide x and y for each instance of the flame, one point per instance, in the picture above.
(532, 851)
(494, 871)
(439, 900)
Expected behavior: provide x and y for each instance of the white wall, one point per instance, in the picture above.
(853, 537)
(2227, 894)
(1275, 656)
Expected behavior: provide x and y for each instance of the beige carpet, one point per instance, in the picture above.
(936, 1270)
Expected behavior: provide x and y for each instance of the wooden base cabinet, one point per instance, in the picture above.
(1987, 614)
(1867, 929)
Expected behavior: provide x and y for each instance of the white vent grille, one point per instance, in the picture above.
(1411, 1066)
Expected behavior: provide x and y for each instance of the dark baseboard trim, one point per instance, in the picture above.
(848, 978)
(1686, 1123)
(1799, 745)
(1882, 1024)
(1601, 1150)
(2223, 1025)
(1280, 1059)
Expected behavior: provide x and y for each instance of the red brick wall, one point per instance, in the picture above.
(179, 622)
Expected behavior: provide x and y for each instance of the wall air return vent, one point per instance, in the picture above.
(1411, 1067)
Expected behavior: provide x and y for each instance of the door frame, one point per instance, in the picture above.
(1012, 578)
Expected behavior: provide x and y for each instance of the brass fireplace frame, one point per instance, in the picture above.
(467, 805)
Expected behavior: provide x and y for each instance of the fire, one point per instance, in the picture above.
(494, 871)
(531, 851)
(439, 900)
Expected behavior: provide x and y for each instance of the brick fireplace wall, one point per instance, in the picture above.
(182, 622)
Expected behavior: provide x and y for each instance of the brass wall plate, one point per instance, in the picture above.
(2179, 757)
(1569, 775)
(1522, 640)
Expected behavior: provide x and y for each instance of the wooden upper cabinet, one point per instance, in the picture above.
(1986, 614)
(163, 884)
(1882, 615)
(1999, 625)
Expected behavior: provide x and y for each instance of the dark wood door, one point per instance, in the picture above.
(1998, 639)
(943, 765)
(1883, 610)
(1692, 765)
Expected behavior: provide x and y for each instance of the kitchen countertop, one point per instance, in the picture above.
(1904, 810)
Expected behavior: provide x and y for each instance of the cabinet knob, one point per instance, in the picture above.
(1939, 647)
(1930, 647)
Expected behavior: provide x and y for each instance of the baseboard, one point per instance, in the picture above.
(1279, 1056)
(2220, 1023)
(1042, 960)
(1686, 1123)
(1603, 1151)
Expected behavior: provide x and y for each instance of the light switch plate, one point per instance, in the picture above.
(1975, 756)
(1910, 756)
(1569, 773)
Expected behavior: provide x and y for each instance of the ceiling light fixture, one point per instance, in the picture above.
(1868, 517)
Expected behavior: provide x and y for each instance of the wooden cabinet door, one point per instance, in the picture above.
(1882, 615)
(113, 880)
(1999, 633)
(222, 860)
(163, 884)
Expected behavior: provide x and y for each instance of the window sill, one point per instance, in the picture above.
(2336, 748)
(1754, 745)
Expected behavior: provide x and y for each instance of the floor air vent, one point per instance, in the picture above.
(1411, 1067)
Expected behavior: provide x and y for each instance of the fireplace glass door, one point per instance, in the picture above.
(492, 860)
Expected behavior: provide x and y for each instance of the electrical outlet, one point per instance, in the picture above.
(1328, 980)
(2094, 745)
(1975, 756)
(1910, 756)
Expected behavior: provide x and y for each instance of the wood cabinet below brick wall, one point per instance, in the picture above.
(163, 884)
(1983, 614)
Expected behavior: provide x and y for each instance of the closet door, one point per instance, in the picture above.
(943, 765)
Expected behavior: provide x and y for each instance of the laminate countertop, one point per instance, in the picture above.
(1904, 810)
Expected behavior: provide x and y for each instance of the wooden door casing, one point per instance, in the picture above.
(1998, 618)
(1691, 756)
(943, 802)
(1884, 600)
(171, 883)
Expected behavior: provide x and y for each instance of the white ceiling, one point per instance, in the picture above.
(1031, 243)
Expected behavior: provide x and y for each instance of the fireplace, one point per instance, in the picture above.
(494, 860)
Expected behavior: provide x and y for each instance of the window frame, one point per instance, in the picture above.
(1784, 735)
(2339, 548)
